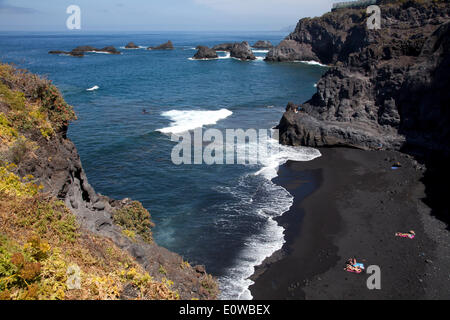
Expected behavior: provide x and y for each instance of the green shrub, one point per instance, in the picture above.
(133, 217)
(15, 99)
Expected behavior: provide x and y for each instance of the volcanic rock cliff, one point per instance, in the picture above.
(110, 240)
(385, 89)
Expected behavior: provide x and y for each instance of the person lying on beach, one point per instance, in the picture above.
(354, 269)
(351, 262)
(353, 266)
(410, 235)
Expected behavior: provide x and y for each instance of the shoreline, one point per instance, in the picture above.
(355, 209)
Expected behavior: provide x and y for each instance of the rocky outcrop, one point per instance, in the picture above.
(388, 88)
(223, 47)
(131, 45)
(204, 53)
(290, 50)
(81, 50)
(262, 44)
(165, 46)
(68, 53)
(242, 51)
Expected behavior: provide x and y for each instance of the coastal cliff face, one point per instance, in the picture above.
(110, 240)
(386, 89)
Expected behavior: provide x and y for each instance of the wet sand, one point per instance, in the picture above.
(350, 203)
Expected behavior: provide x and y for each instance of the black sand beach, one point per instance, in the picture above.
(354, 211)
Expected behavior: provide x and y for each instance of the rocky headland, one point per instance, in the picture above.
(385, 89)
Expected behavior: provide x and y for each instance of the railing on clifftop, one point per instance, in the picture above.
(353, 4)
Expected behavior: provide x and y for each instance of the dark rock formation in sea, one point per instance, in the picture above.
(223, 47)
(131, 45)
(109, 49)
(290, 50)
(387, 89)
(205, 53)
(81, 50)
(165, 46)
(262, 44)
(242, 51)
(69, 53)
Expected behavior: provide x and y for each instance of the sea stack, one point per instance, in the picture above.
(262, 44)
(205, 53)
(242, 51)
(165, 46)
(131, 45)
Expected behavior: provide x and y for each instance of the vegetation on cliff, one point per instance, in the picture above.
(40, 242)
(45, 253)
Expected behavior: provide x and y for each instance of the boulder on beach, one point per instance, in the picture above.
(223, 47)
(205, 53)
(131, 45)
(165, 46)
(262, 44)
(242, 51)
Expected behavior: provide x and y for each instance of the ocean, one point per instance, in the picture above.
(220, 216)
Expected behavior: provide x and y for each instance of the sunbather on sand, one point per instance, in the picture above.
(354, 269)
(410, 235)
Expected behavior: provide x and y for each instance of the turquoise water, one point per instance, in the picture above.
(219, 215)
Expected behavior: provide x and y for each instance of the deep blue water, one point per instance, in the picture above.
(219, 215)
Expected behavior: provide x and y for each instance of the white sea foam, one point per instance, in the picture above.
(226, 56)
(260, 51)
(235, 284)
(260, 58)
(313, 63)
(100, 52)
(93, 88)
(283, 155)
(140, 47)
(185, 120)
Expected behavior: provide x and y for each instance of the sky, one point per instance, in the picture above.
(159, 15)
